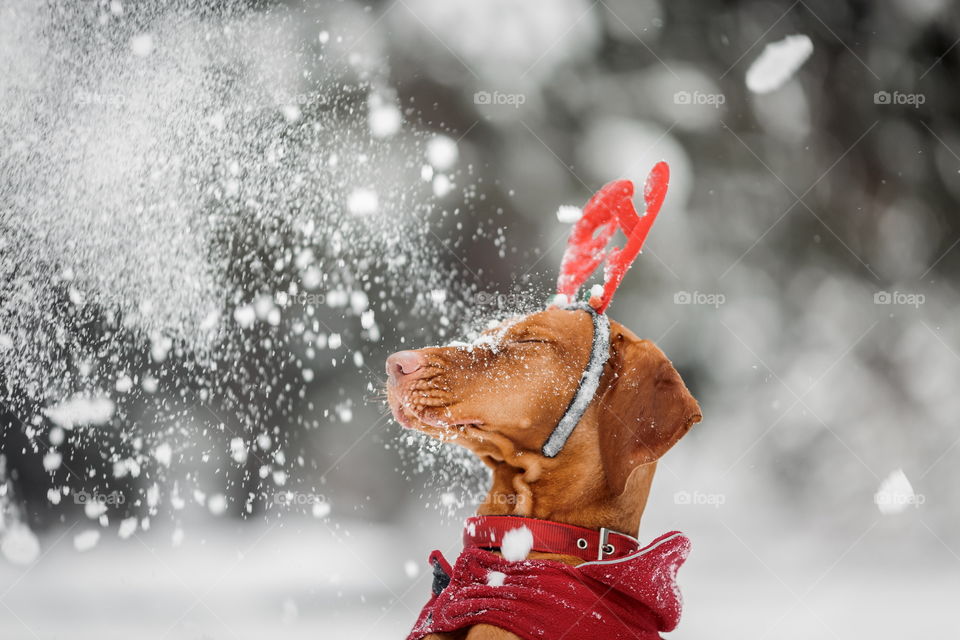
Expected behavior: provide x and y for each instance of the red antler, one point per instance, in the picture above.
(609, 208)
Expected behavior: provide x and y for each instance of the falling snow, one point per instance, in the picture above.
(516, 544)
(895, 494)
(442, 152)
(19, 545)
(778, 62)
(230, 237)
(496, 578)
(569, 214)
(81, 411)
(86, 540)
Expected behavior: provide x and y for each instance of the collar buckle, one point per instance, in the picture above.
(604, 548)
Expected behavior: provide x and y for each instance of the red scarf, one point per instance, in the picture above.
(630, 598)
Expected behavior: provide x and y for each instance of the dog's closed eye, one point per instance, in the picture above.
(526, 335)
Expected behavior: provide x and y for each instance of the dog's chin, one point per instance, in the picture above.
(401, 413)
(402, 418)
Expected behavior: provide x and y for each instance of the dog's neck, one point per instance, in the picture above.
(525, 484)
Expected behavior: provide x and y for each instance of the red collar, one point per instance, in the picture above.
(487, 532)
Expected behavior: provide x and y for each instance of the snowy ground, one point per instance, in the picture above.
(307, 580)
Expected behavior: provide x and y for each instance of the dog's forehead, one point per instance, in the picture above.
(555, 320)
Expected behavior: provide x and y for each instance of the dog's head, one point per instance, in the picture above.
(515, 383)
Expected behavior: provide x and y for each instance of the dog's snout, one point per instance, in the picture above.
(403, 363)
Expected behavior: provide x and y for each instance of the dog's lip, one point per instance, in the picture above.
(410, 419)
(406, 416)
(439, 423)
(400, 409)
(403, 414)
(401, 417)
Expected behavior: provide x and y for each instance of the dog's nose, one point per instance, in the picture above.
(403, 363)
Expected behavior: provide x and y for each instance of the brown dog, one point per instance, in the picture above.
(502, 397)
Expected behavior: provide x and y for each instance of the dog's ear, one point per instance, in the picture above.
(645, 409)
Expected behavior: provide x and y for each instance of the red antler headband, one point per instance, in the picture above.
(609, 209)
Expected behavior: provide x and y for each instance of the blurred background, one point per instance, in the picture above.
(218, 218)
